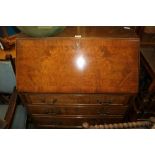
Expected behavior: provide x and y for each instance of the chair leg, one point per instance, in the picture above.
(11, 109)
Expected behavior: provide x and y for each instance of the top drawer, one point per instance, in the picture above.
(67, 99)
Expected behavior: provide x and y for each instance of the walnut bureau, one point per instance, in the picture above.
(85, 74)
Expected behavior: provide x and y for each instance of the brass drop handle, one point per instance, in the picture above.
(102, 112)
(106, 113)
(53, 122)
(49, 111)
(104, 102)
(52, 101)
(53, 111)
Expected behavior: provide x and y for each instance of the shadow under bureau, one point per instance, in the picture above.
(67, 80)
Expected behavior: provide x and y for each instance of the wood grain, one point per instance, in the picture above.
(50, 65)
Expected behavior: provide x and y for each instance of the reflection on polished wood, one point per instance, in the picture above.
(77, 65)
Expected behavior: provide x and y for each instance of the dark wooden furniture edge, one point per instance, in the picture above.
(11, 109)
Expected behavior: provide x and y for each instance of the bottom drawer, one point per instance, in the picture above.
(72, 122)
(77, 110)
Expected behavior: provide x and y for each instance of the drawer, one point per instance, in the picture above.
(38, 126)
(58, 99)
(64, 99)
(61, 121)
(77, 110)
(109, 99)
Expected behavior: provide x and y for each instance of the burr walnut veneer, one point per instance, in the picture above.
(65, 81)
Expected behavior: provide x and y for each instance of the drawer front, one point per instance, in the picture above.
(109, 99)
(64, 99)
(77, 110)
(59, 99)
(69, 122)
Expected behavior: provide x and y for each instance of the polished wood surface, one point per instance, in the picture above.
(77, 65)
(85, 74)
